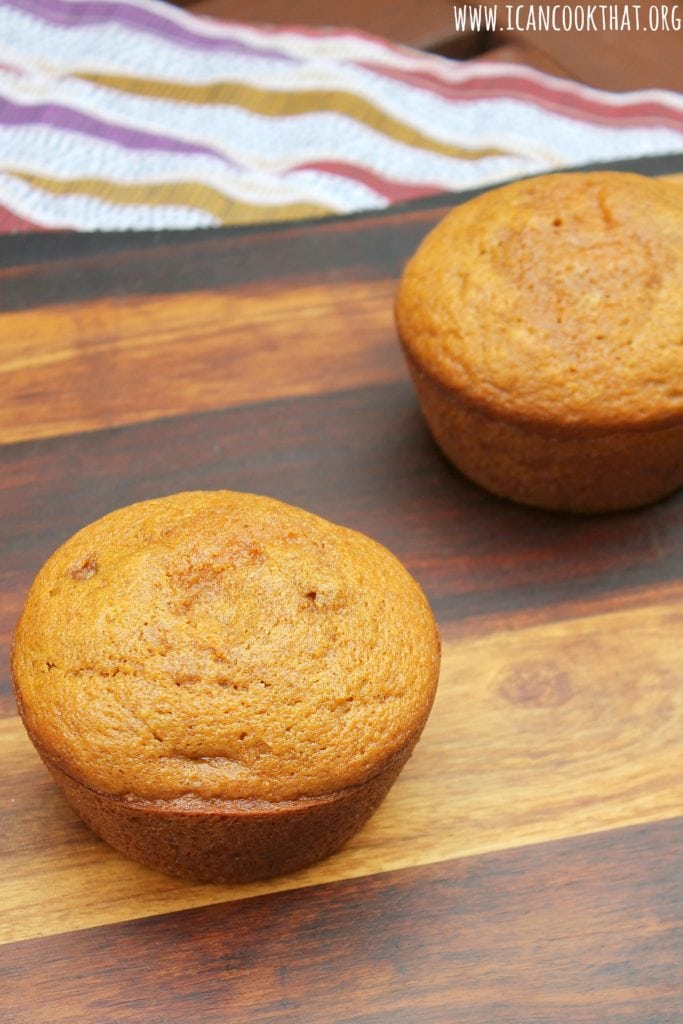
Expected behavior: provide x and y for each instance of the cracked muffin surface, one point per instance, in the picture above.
(223, 646)
(542, 325)
(555, 300)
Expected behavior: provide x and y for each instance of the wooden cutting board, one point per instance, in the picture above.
(527, 865)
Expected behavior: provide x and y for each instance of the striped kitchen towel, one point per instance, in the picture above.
(138, 115)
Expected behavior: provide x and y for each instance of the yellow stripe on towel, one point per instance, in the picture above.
(224, 208)
(286, 104)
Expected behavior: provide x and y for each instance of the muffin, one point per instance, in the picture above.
(542, 324)
(224, 687)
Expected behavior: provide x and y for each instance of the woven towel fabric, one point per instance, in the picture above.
(138, 115)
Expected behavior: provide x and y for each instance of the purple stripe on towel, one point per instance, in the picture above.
(57, 116)
(89, 12)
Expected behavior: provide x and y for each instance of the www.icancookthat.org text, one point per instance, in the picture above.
(622, 17)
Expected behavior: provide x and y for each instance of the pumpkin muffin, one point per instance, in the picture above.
(225, 687)
(542, 323)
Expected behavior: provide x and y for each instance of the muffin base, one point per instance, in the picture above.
(224, 840)
(560, 469)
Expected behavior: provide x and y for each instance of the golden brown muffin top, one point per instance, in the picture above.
(555, 300)
(223, 645)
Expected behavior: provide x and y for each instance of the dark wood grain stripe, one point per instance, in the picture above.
(93, 267)
(583, 931)
(362, 458)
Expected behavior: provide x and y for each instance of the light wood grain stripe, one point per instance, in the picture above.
(108, 362)
(537, 734)
(271, 103)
